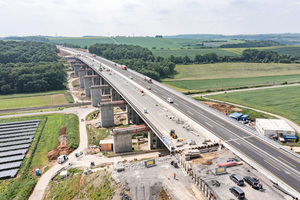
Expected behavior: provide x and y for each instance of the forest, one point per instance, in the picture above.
(30, 67)
(137, 58)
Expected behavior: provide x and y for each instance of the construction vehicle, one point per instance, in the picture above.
(173, 134)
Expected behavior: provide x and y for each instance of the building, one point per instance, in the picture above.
(274, 127)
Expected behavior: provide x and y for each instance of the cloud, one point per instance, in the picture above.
(147, 17)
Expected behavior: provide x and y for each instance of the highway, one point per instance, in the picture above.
(280, 164)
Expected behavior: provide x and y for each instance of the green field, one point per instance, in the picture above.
(50, 134)
(231, 75)
(15, 101)
(227, 83)
(190, 52)
(233, 70)
(283, 101)
(288, 50)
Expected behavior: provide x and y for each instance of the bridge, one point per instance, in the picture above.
(191, 119)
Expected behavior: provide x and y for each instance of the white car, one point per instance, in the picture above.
(170, 100)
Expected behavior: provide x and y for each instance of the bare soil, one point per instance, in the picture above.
(164, 195)
(61, 148)
(63, 53)
(221, 107)
(206, 159)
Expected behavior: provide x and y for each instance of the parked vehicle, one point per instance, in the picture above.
(238, 192)
(253, 183)
(79, 153)
(237, 179)
(61, 159)
(170, 100)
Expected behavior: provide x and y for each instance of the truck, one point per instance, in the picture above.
(149, 80)
(124, 67)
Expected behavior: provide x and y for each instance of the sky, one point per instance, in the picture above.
(75, 18)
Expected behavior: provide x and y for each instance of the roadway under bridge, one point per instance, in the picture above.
(192, 120)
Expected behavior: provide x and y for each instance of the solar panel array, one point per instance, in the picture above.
(15, 139)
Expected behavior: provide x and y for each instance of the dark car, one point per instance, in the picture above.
(237, 179)
(238, 192)
(253, 183)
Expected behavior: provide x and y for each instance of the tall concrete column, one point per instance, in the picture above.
(95, 95)
(76, 68)
(107, 116)
(115, 96)
(81, 73)
(87, 85)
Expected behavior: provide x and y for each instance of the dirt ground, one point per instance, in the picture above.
(206, 159)
(61, 148)
(221, 107)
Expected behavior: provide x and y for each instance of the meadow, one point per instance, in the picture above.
(231, 75)
(283, 101)
(190, 52)
(15, 101)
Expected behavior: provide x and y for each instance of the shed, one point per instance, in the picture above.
(274, 127)
(236, 116)
(244, 117)
(106, 145)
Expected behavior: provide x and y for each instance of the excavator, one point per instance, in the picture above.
(173, 134)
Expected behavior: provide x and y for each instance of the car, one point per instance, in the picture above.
(238, 192)
(61, 159)
(253, 183)
(130, 77)
(79, 153)
(149, 88)
(82, 119)
(237, 179)
(170, 100)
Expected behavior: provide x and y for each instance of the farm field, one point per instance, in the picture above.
(190, 52)
(227, 83)
(82, 41)
(233, 70)
(32, 100)
(289, 50)
(283, 101)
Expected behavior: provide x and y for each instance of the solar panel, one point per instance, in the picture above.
(17, 131)
(16, 135)
(15, 143)
(9, 173)
(10, 165)
(16, 139)
(17, 128)
(19, 122)
(10, 148)
(12, 153)
(11, 159)
(19, 125)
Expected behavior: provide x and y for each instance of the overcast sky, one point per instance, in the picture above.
(147, 17)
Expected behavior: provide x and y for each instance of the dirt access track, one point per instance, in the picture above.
(61, 148)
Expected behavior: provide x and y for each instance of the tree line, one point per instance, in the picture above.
(255, 43)
(248, 55)
(30, 67)
(135, 57)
